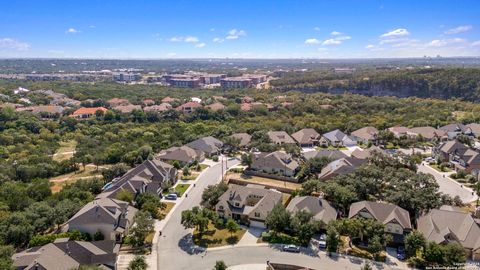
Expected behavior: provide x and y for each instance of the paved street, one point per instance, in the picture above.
(448, 185)
(175, 251)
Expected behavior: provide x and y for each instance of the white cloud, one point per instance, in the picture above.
(343, 38)
(458, 30)
(172, 54)
(336, 33)
(400, 32)
(235, 34)
(13, 44)
(312, 41)
(190, 39)
(218, 40)
(176, 39)
(212, 29)
(200, 45)
(316, 28)
(476, 43)
(72, 31)
(445, 42)
(332, 41)
(370, 46)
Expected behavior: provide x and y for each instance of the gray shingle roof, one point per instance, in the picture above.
(320, 208)
(280, 137)
(306, 136)
(449, 221)
(277, 159)
(332, 154)
(383, 212)
(244, 138)
(209, 145)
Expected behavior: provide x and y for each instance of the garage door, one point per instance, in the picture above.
(257, 224)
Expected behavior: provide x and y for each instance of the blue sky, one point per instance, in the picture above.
(239, 29)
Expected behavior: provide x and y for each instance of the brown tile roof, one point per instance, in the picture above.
(85, 110)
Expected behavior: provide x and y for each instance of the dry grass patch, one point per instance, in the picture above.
(265, 181)
(89, 173)
(65, 151)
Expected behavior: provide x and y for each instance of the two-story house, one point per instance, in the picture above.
(249, 204)
(395, 219)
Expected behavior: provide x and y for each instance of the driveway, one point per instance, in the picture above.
(449, 186)
(250, 237)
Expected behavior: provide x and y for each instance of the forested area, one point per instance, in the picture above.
(444, 83)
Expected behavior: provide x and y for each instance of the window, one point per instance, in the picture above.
(257, 214)
(220, 207)
(237, 204)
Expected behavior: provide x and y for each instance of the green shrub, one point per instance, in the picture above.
(215, 158)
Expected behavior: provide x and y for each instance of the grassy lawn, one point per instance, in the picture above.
(192, 176)
(217, 237)
(59, 181)
(203, 166)
(265, 181)
(181, 188)
(436, 167)
(65, 151)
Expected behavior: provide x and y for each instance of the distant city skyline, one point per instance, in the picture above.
(240, 29)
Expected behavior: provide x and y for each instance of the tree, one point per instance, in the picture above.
(434, 254)
(125, 195)
(198, 218)
(212, 193)
(220, 265)
(247, 159)
(310, 186)
(414, 242)
(332, 239)
(232, 226)
(6, 253)
(138, 263)
(375, 245)
(98, 236)
(150, 203)
(366, 266)
(304, 226)
(143, 227)
(278, 219)
(454, 254)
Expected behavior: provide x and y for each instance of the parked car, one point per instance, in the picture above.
(291, 248)
(322, 241)
(171, 196)
(401, 253)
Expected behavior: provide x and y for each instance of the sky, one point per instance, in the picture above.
(239, 29)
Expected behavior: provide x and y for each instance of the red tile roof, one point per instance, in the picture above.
(85, 110)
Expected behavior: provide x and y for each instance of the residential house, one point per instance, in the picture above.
(475, 128)
(85, 112)
(46, 111)
(111, 217)
(277, 162)
(453, 130)
(399, 131)
(66, 254)
(163, 107)
(148, 102)
(337, 138)
(217, 106)
(339, 167)
(331, 154)
(244, 138)
(320, 208)
(429, 133)
(128, 108)
(168, 100)
(451, 224)
(280, 137)
(366, 153)
(249, 204)
(395, 219)
(307, 137)
(459, 156)
(151, 176)
(184, 155)
(365, 135)
(188, 107)
(209, 145)
(114, 102)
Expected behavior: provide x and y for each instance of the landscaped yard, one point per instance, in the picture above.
(278, 238)
(181, 188)
(436, 167)
(216, 237)
(65, 151)
(265, 181)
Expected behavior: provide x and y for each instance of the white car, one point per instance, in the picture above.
(322, 241)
